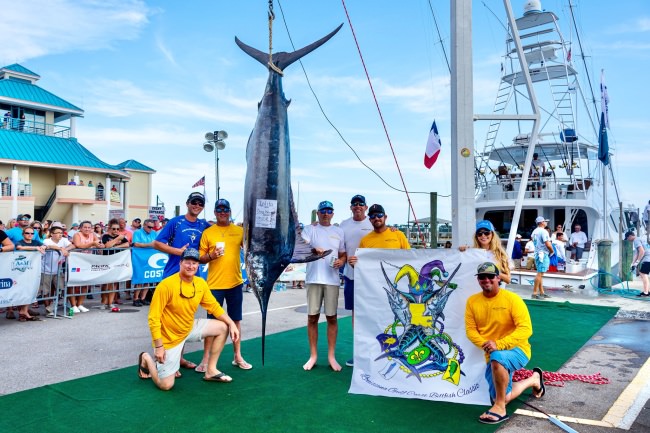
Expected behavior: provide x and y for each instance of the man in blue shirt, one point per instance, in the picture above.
(16, 234)
(182, 232)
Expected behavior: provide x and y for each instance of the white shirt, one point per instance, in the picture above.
(354, 231)
(52, 259)
(328, 238)
(579, 237)
(529, 249)
(560, 247)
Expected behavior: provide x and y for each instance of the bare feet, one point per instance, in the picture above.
(334, 365)
(311, 363)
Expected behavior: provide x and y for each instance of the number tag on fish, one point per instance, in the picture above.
(265, 213)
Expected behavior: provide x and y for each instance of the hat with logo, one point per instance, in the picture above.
(358, 198)
(376, 208)
(540, 219)
(487, 268)
(325, 205)
(222, 202)
(484, 224)
(190, 254)
(196, 196)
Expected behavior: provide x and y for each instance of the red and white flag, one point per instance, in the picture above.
(199, 182)
(433, 147)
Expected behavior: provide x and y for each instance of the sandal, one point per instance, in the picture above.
(10, 315)
(26, 318)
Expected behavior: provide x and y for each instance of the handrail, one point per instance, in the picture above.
(34, 127)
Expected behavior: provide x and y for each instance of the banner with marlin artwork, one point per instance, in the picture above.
(409, 325)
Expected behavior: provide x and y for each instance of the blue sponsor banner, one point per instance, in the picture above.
(243, 266)
(148, 265)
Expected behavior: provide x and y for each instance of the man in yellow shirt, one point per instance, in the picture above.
(381, 236)
(497, 321)
(172, 323)
(220, 246)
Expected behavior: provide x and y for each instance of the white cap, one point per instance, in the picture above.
(540, 219)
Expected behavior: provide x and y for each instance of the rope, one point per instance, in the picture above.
(559, 379)
(271, 18)
(381, 117)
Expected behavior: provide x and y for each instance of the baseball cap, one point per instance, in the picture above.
(190, 254)
(325, 205)
(358, 198)
(518, 236)
(196, 196)
(376, 208)
(487, 268)
(56, 225)
(540, 219)
(75, 225)
(484, 224)
(137, 219)
(222, 202)
(23, 216)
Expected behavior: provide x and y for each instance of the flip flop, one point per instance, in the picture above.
(242, 364)
(201, 368)
(499, 419)
(221, 377)
(542, 388)
(187, 364)
(141, 369)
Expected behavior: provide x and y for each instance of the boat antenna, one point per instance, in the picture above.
(582, 56)
(442, 45)
(497, 18)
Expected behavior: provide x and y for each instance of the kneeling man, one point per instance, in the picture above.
(172, 323)
(497, 321)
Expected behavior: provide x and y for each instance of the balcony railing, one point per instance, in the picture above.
(34, 127)
(506, 188)
(24, 189)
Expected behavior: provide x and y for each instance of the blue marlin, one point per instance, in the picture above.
(270, 219)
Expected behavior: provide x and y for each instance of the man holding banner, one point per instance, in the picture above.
(172, 323)
(497, 321)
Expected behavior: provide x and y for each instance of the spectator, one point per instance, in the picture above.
(72, 182)
(7, 120)
(74, 228)
(537, 171)
(124, 230)
(52, 271)
(112, 239)
(83, 239)
(143, 238)
(543, 251)
(448, 244)
(38, 230)
(21, 123)
(517, 253)
(90, 184)
(577, 241)
(98, 231)
(488, 239)
(16, 233)
(81, 183)
(136, 224)
(28, 243)
(558, 229)
(46, 229)
(2, 226)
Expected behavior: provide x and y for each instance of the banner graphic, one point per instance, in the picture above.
(20, 276)
(90, 269)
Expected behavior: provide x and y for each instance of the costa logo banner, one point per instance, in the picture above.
(148, 265)
(20, 276)
(409, 326)
(90, 269)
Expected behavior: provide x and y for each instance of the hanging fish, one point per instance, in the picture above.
(270, 220)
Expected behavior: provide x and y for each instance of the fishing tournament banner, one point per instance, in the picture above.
(20, 276)
(409, 325)
(90, 269)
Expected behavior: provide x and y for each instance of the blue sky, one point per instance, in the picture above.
(154, 76)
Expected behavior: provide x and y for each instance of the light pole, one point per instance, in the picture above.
(215, 141)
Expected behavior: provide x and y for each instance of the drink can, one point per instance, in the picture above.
(70, 312)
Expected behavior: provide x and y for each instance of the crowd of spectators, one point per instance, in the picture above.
(54, 241)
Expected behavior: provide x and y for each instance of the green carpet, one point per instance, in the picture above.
(279, 397)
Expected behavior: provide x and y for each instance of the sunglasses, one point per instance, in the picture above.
(28, 233)
(375, 216)
(358, 203)
(149, 227)
(222, 210)
(187, 297)
(483, 233)
(23, 219)
(115, 228)
(36, 228)
(482, 277)
(197, 203)
(326, 211)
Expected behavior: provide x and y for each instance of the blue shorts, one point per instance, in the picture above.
(512, 360)
(542, 265)
(348, 293)
(233, 298)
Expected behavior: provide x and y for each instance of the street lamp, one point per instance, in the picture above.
(215, 141)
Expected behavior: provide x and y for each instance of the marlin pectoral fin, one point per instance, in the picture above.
(308, 258)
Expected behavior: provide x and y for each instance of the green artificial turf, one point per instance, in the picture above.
(279, 397)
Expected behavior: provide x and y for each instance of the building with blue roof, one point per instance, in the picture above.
(43, 165)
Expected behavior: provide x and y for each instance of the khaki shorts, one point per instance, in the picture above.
(319, 294)
(49, 284)
(173, 356)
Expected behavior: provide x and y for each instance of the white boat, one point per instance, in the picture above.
(576, 188)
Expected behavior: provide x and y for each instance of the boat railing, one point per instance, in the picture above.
(505, 187)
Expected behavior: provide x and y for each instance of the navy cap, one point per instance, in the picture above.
(196, 196)
(222, 202)
(325, 205)
(190, 254)
(376, 208)
(358, 198)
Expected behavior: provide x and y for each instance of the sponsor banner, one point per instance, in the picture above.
(20, 276)
(90, 269)
(157, 212)
(148, 265)
(409, 325)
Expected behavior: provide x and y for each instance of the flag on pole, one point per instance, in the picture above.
(433, 147)
(200, 182)
(603, 144)
(568, 55)
(604, 98)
